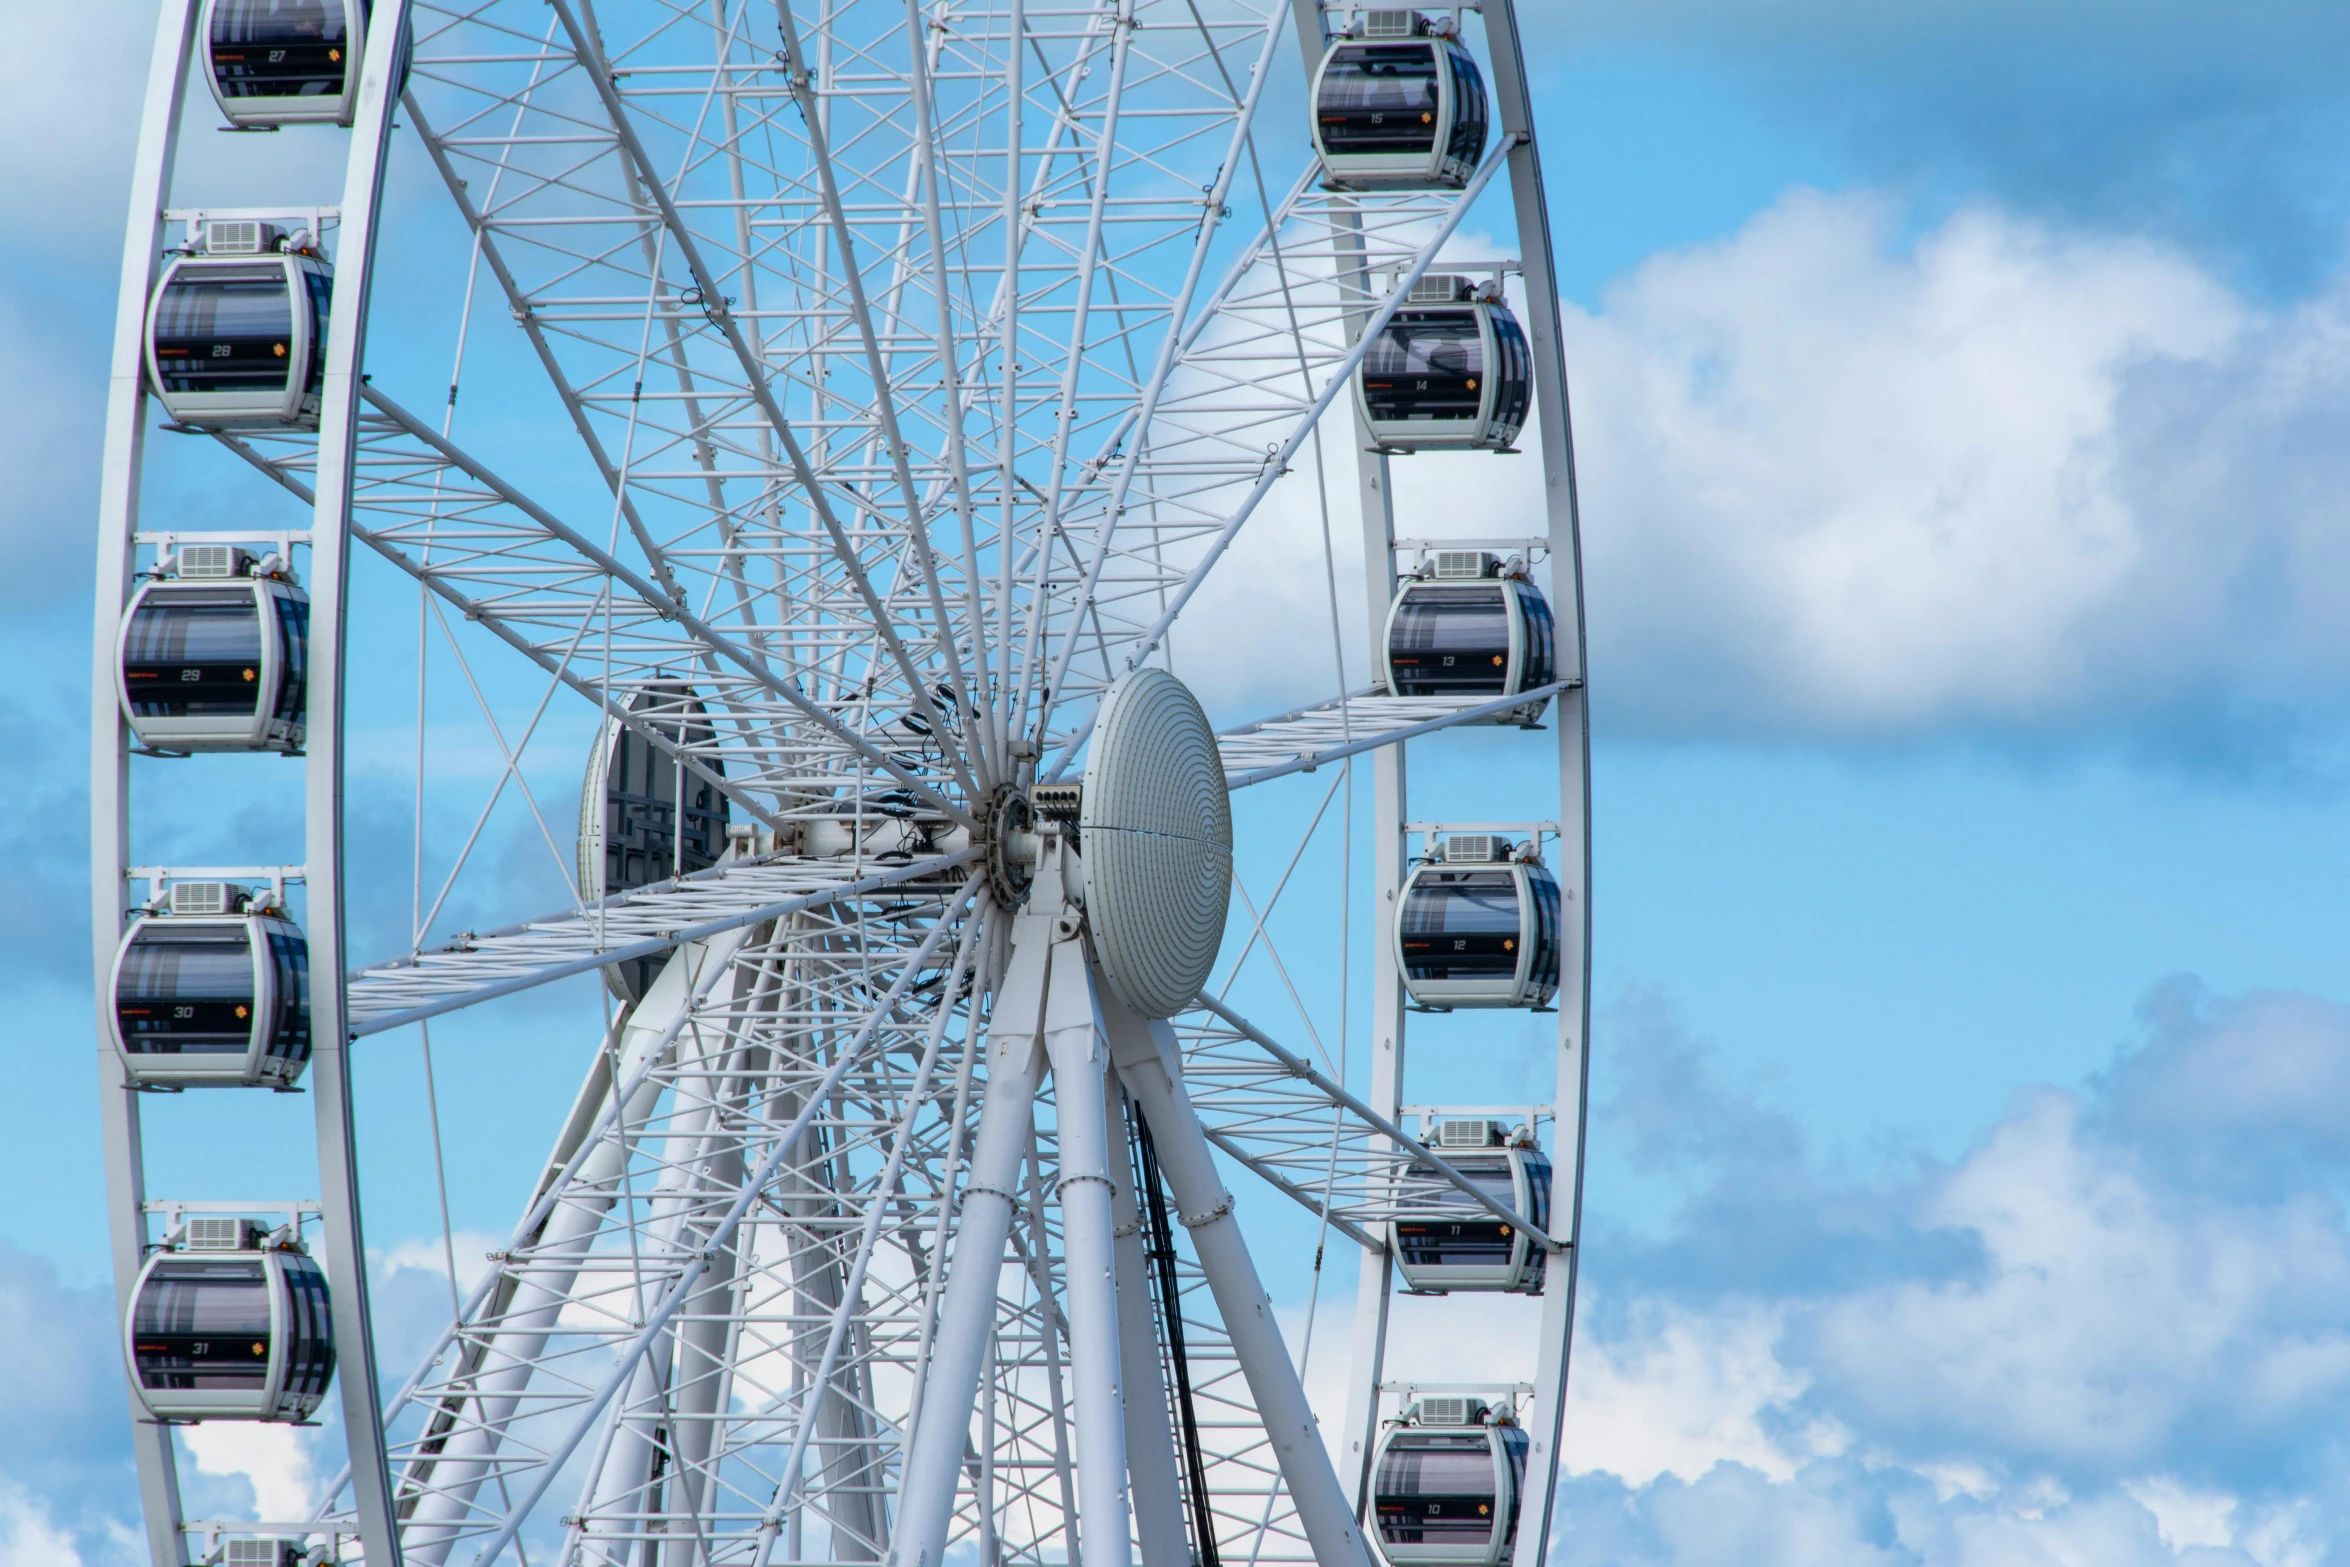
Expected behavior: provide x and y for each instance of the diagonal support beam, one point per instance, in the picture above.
(1298, 1067)
(661, 603)
(1277, 463)
(600, 75)
(538, 952)
(1373, 718)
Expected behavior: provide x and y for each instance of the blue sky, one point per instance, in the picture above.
(1959, 395)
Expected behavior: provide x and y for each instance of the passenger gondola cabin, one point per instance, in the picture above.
(230, 1324)
(644, 816)
(1478, 926)
(236, 334)
(284, 62)
(1399, 105)
(1450, 371)
(1443, 1241)
(1468, 624)
(212, 990)
(1447, 1484)
(213, 654)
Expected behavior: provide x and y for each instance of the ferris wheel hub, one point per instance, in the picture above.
(1155, 822)
(1009, 825)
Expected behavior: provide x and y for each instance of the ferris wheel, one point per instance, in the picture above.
(858, 394)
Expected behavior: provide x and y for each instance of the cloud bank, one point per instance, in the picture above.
(2116, 1330)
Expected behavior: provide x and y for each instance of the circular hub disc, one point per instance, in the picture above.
(1156, 825)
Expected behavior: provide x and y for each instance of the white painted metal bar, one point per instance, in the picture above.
(933, 1470)
(620, 928)
(1317, 736)
(118, 522)
(851, 1054)
(1156, 1483)
(561, 1226)
(1339, 378)
(1420, 1156)
(713, 639)
(327, 914)
(1571, 852)
(1152, 1072)
(1080, 1061)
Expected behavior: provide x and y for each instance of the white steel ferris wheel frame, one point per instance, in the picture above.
(379, 475)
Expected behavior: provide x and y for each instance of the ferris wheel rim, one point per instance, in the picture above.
(977, 765)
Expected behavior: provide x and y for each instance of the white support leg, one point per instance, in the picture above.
(1147, 1062)
(1073, 1042)
(950, 1384)
(1151, 1466)
(439, 1487)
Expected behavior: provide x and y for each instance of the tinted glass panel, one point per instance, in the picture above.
(293, 627)
(1447, 1230)
(310, 1352)
(278, 48)
(321, 289)
(1427, 364)
(1545, 972)
(203, 1324)
(193, 653)
(1380, 98)
(1450, 642)
(1468, 108)
(289, 956)
(1538, 1173)
(1461, 925)
(1516, 369)
(225, 329)
(1437, 1490)
(186, 992)
(1541, 640)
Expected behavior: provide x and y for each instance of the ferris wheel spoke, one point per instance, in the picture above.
(1308, 738)
(1275, 463)
(420, 489)
(618, 929)
(759, 1052)
(753, 371)
(885, 408)
(1272, 1109)
(561, 326)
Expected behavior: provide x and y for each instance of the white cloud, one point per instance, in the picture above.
(1829, 485)
(2099, 1339)
(1682, 1391)
(28, 1536)
(273, 1459)
(2110, 1320)
(2186, 1515)
(1841, 483)
(426, 1254)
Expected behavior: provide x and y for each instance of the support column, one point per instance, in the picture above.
(1152, 1072)
(1151, 1464)
(1073, 1041)
(934, 1457)
(465, 1432)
